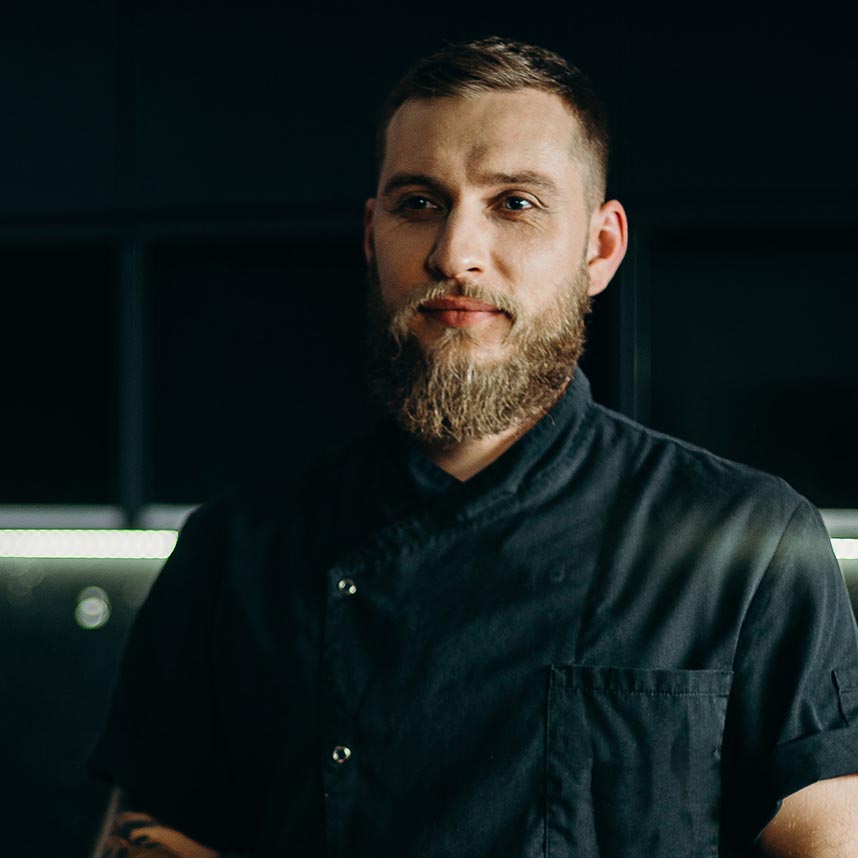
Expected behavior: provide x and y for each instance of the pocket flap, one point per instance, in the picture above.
(628, 680)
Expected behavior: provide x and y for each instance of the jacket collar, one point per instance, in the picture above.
(542, 449)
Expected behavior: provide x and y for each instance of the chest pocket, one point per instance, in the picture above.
(633, 762)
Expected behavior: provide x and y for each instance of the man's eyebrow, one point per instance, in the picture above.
(402, 180)
(524, 177)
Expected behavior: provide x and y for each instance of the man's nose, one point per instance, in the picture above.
(461, 247)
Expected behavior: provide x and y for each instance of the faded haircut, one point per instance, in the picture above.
(496, 64)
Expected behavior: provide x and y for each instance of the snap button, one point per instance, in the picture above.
(341, 754)
(347, 587)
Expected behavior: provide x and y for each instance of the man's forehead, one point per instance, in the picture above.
(492, 134)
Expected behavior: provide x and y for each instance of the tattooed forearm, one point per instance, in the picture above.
(127, 833)
(135, 834)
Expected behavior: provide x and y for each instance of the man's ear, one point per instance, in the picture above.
(609, 238)
(368, 216)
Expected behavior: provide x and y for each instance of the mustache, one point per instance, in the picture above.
(430, 291)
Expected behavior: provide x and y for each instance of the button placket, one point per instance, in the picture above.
(345, 587)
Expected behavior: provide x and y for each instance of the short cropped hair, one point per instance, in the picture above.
(496, 64)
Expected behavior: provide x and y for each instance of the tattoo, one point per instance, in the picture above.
(131, 836)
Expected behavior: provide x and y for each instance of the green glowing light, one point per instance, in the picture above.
(109, 544)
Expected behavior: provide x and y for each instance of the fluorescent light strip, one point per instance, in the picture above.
(159, 544)
(89, 544)
(845, 549)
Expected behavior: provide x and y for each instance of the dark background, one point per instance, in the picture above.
(181, 194)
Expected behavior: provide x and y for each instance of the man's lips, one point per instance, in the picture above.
(464, 305)
(459, 312)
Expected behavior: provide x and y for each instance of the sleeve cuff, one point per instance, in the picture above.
(791, 767)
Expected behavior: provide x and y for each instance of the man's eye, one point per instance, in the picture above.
(417, 204)
(517, 204)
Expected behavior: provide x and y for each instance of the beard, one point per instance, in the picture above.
(444, 393)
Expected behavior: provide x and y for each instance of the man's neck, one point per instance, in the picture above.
(466, 458)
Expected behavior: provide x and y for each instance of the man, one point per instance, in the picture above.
(511, 622)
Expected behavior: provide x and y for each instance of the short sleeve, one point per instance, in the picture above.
(162, 742)
(791, 718)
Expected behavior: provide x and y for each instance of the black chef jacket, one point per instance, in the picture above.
(608, 642)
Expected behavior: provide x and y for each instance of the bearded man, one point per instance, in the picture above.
(511, 622)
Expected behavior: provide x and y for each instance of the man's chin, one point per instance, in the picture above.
(445, 384)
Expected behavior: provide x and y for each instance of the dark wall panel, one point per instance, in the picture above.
(753, 350)
(59, 385)
(255, 358)
(58, 102)
(278, 114)
(739, 109)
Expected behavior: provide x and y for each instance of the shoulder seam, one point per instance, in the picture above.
(801, 502)
(695, 451)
